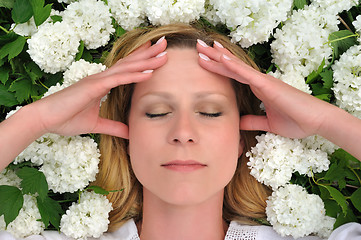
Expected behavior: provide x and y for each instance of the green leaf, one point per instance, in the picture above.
(299, 4)
(22, 89)
(356, 199)
(345, 218)
(341, 41)
(327, 78)
(7, 99)
(11, 200)
(4, 74)
(41, 13)
(56, 18)
(338, 197)
(7, 3)
(22, 11)
(33, 71)
(332, 208)
(80, 51)
(334, 173)
(33, 181)
(13, 48)
(314, 74)
(50, 211)
(98, 190)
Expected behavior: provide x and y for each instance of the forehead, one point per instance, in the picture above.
(183, 75)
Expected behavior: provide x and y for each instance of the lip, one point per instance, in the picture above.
(183, 165)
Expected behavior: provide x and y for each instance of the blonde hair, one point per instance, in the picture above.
(244, 197)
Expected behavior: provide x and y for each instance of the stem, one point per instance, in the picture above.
(339, 39)
(4, 29)
(354, 172)
(344, 23)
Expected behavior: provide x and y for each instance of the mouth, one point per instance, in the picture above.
(183, 165)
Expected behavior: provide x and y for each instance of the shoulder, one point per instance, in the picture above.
(348, 231)
(128, 231)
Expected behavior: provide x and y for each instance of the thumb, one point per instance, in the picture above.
(111, 127)
(254, 123)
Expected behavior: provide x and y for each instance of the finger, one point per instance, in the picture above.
(111, 127)
(254, 123)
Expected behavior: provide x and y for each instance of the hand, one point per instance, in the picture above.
(289, 111)
(75, 110)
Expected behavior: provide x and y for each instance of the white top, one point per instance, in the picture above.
(236, 231)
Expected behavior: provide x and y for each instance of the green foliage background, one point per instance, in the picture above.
(22, 82)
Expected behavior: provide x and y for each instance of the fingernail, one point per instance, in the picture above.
(204, 57)
(147, 71)
(226, 57)
(203, 44)
(161, 54)
(218, 44)
(160, 40)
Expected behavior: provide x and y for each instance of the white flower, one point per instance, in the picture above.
(357, 24)
(27, 222)
(91, 21)
(302, 43)
(252, 22)
(347, 86)
(292, 211)
(76, 71)
(128, 13)
(211, 13)
(8, 177)
(53, 47)
(67, 1)
(294, 79)
(335, 6)
(274, 158)
(161, 12)
(88, 218)
(71, 164)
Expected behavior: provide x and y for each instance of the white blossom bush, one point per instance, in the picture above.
(54, 46)
(161, 12)
(302, 43)
(87, 218)
(26, 223)
(294, 212)
(347, 75)
(275, 158)
(294, 79)
(334, 6)
(128, 13)
(91, 21)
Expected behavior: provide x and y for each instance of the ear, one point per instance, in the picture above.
(240, 147)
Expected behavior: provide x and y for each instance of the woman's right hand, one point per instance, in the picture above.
(75, 110)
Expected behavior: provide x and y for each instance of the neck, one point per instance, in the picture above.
(162, 220)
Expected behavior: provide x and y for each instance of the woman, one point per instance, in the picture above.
(175, 140)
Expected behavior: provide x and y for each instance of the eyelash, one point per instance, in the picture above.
(157, 115)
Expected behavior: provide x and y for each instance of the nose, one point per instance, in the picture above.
(183, 130)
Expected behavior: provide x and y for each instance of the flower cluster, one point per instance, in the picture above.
(292, 211)
(251, 21)
(275, 158)
(88, 217)
(54, 46)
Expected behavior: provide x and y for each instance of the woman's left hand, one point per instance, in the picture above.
(289, 111)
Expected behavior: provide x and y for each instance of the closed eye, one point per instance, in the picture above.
(206, 114)
(156, 115)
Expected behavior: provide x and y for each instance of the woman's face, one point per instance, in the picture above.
(184, 138)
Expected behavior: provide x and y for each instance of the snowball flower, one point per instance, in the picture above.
(53, 47)
(335, 6)
(252, 22)
(87, 218)
(210, 13)
(347, 77)
(302, 43)
(71, 164)
(357, 25)
(76, 71)
(26, 223)
(162, 12)
(292, 211)
(294, 79)
(274, 158)
(8, 177)
(91, 21)
(128, 13)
